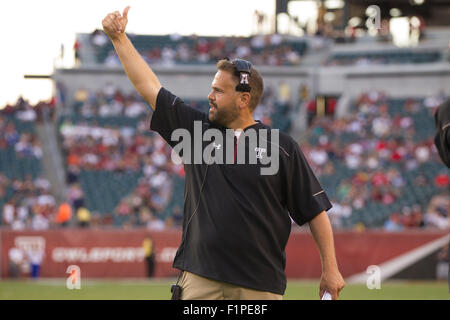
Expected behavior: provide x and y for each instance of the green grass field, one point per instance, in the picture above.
(160, 290)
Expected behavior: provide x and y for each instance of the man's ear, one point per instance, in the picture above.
(244, 100)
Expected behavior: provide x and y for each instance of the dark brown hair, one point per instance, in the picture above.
(256, 81)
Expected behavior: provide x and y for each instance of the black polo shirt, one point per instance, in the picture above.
(237, 221)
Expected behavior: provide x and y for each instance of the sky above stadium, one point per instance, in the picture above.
(33, 31)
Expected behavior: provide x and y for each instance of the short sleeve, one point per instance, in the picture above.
(305, 196)
(172, 113)
(442, 135)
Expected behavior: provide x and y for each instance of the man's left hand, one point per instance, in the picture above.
(333, 282)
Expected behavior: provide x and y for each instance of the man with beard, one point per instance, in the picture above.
(236, 220)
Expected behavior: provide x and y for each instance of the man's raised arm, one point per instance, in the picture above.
(137, 70)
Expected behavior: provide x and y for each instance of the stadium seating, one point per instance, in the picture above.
(13, 164)
(384, 57)
(207, 49)
(21, 183)
(374, 213)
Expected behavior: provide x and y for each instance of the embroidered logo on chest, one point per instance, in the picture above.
(259, 152)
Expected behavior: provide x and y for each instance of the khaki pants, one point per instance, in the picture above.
(199, 288)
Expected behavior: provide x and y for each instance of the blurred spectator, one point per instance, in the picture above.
(437, 214)
(442, 180)
(422, 153)
(155, 224)
(28, 146)
(64, 214)
(338, 212)
(84, 217)
(35, 257)
(259, 18)
(16, 258)
(421, 180)
(76, 49)
(284, 93)
(149, 253)
(177, 215)
(394, 223)
(112, 60)
(416, 220)
(98, 38)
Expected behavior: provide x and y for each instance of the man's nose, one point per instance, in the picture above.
(211, 96)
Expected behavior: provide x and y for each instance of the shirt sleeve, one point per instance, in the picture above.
(305, 196)
(172, 113)
(442, 135)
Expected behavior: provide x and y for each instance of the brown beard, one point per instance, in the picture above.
(224, 117)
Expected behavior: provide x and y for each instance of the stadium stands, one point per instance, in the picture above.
(384, 57)
(25, 197)
(174, 49)
(272, 50)
(378, 161)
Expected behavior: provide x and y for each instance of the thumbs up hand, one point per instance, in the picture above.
(114, 24)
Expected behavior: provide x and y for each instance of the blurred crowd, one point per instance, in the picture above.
(273, 50)
(16, 127)
(122, 150)
(112, 102)
(383, 58)
(32, 206)
(25, 144)
(24, 111)
(109, 102)
(370, 138)
(376, 149)
(435, 215)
